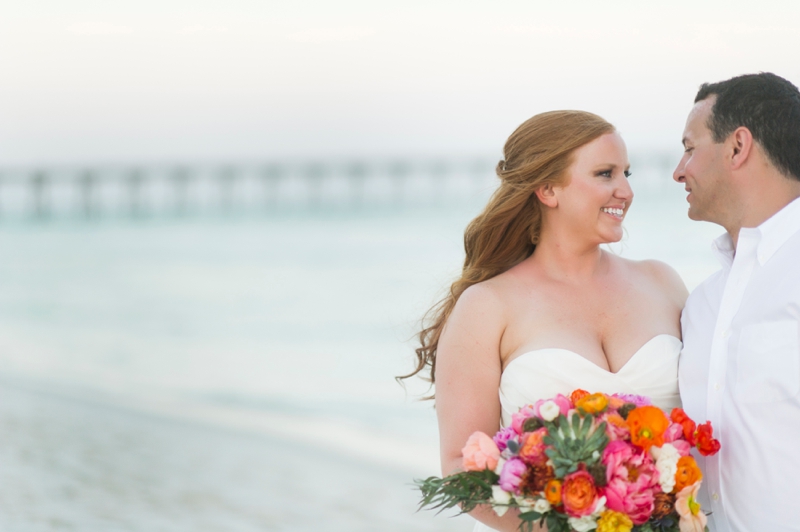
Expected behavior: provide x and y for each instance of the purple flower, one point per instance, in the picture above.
(503, 436)
(638, 400)
(511, 475)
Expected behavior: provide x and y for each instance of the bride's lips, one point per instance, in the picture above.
(615, 211)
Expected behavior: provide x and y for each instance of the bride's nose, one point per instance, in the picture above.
(624, 190)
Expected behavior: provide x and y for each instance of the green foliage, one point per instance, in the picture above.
(531, 424)
(529, 519)
(467, 488)
(557, 523)
(668, 523)
(625, 409)
(574, 443)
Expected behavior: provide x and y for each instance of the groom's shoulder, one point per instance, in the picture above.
(709, 289)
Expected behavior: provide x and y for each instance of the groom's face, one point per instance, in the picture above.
(701, 169)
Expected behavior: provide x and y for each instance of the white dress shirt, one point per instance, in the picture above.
(740, 369)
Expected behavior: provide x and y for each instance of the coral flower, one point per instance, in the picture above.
(578, 493)
(611, 521)
(704, 441)
(692, 519)
(532, 450)
(647, 425)
(617, 428)
(593, 404)
(552, 492)
(679, 416)
(577, 395)
(480, 453)
(688, 473)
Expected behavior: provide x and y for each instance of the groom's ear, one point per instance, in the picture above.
(742, 144)
(547, 195)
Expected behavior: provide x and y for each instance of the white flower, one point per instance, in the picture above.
(541, 506)
(666, 458)
(500, 500)
(583, 524)
(526, 504)
(600, 507)
(500, 463)
(549, 410)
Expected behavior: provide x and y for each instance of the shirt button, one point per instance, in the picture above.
(715, 496)
(716, 386)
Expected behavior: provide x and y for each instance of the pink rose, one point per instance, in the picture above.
(674, 432)
(518, 418)
(632, 480)
(480, 453)
(511, 475)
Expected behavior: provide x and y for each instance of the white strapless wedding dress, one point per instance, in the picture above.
(652, 371)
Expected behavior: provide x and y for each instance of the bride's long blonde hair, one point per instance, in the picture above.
(537, 153)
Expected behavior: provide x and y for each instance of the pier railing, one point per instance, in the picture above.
(185, 189)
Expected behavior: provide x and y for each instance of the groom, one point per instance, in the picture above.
(740, 365)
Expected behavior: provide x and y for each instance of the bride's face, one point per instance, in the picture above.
(597, 195)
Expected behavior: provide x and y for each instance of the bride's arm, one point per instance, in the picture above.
(468, 368)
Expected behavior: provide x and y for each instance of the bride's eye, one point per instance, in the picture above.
(604, 173)
(628, 173)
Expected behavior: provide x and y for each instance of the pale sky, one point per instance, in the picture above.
(112, 81)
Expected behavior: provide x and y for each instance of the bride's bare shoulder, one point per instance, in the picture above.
(663, 276)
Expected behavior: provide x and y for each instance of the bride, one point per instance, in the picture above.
(540, 308)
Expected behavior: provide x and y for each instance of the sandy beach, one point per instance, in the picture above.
(73, 462)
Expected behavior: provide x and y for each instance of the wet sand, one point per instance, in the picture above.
(75, 463)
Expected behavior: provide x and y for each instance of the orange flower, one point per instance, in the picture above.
(688, 473)
(592, 404)
(704, 441)
(579, 494)
(647, 425)
(679, 416)
(552, 492)
(577, 395)
(532, 450)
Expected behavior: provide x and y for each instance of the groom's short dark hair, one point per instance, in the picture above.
(767, 105)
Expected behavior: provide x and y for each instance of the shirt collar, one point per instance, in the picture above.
(778, 229)
(723, 249)
(773, 233)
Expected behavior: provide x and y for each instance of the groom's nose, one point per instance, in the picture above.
(678, 174)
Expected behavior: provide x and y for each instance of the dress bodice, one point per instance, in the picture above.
(541, 374)
(651, 371)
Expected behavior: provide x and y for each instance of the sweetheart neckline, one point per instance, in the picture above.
(622, 368)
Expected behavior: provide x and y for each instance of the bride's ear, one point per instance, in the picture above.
(547, 195)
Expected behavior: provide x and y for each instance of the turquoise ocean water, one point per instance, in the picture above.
(305, 315)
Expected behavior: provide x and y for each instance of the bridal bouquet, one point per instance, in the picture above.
(613, 463)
